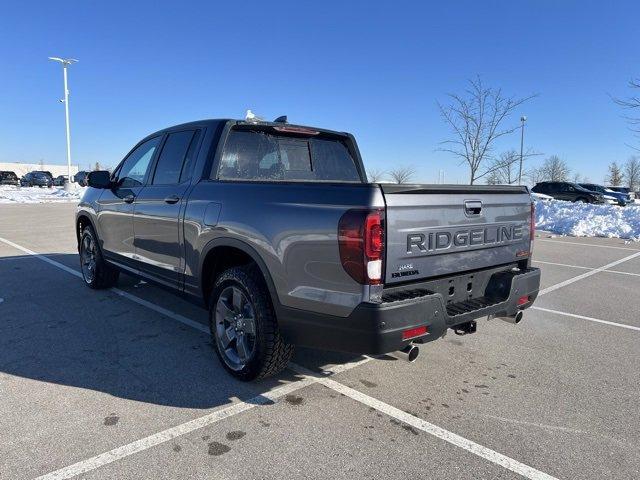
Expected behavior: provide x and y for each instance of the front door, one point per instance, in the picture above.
(157, 216)
(115, 212)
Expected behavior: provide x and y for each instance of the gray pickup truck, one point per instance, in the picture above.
(275, 229)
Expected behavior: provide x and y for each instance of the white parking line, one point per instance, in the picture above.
(586, 274)
(586, 268)
(427, 427)
(591, 319)
(586, 244)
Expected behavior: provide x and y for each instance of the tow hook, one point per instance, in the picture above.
(465, 328)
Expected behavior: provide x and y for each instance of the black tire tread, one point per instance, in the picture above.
(106, 275)
(275, 353)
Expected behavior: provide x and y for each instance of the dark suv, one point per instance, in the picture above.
(9, 178)
(36, 179)
(571, 192)
(620, 198)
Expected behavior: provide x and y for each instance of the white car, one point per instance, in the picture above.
(541, 197)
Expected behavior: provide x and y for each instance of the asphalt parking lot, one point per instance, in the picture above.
(124, 383)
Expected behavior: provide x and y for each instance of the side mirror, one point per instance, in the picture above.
(99, 179)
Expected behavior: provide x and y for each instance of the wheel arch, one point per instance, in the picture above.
(82, 221)
(222, 253)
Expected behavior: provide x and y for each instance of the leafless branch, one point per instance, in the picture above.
(477, 120)
(402, 174)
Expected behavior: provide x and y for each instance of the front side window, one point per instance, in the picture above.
(257, 155)
(134, 169)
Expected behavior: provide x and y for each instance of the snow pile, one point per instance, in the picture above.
(587, 220)
(11, 194)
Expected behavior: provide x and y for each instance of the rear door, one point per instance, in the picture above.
(156, 220)
(434, 231)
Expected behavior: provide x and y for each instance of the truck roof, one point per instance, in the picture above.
(217, 121)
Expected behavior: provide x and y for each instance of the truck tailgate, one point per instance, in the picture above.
(434, 230)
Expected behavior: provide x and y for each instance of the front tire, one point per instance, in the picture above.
(243, 326)
(97, 273)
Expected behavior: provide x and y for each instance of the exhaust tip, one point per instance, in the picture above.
(408, 353)
(413, 353)
(519, 316)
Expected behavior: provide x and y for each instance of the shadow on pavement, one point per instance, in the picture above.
(54, 329)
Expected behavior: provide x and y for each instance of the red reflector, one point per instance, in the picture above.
(523, 300)
(414, 332)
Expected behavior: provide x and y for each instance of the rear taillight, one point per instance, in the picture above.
(361, 244)
(532, 227)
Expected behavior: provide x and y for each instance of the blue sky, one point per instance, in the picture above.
(375, 69)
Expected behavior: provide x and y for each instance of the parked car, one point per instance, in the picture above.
(8, 178)
(81, 178)
(571, 192)
(59, 180)
(36, 179)
(275, 229)
(621, 199)
(631, 195)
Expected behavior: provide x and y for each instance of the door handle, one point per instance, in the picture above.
(129, 198)
(172, 199)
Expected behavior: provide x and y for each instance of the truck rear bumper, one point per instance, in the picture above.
(378, 328)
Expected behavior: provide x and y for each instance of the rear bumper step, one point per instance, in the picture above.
(378, 328)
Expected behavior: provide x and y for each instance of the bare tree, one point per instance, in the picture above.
(375, 175)
(476, 119)
(555, 169)
(614, 177)
(493, 178)
(577, 178)
(505, 168)
(632, 173)
(402, 174)
(632, 103)
(535, 175)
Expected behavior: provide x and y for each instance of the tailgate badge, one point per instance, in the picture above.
(405, 270)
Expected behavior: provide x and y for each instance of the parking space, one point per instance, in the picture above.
(124, 383)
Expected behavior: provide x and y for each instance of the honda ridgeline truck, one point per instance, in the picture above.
(275, 229)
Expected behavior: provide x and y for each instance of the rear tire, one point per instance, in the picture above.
(96, 272)
(244, 329)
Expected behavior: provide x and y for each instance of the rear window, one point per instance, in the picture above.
(260, 156)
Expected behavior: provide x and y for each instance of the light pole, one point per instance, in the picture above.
(65, 63)
(523, 119)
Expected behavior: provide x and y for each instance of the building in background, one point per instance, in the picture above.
(22, 168)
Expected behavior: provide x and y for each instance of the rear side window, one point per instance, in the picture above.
(259, 156)
(172, 159)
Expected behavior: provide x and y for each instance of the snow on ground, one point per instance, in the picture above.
(11, 194)
(587, 220)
